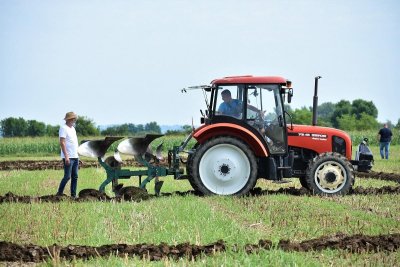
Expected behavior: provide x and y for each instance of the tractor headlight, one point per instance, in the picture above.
(339, 145)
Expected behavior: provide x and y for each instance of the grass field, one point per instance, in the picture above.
(201, 220)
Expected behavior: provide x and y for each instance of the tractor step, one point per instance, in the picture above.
(284, 168)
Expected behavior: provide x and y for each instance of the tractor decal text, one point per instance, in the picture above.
(314, 136)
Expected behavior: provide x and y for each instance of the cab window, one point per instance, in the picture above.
(230, 101)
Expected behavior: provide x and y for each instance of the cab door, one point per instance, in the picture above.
(264, 111)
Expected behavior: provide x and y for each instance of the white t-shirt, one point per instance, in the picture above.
(71, 140)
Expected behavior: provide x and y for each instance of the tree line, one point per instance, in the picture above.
(19, 127)
(345, 115)
(348, 116)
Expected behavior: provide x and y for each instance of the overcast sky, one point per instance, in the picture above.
(126, 61)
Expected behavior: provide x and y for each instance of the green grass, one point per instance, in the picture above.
(382, 165)
(199, 220)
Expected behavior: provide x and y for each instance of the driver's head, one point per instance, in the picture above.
(226, 95)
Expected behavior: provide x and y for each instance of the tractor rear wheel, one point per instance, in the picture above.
(224, 166)
(330, 174)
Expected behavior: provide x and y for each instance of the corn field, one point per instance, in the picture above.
(358, 136)
(49, 146)
(21, 146)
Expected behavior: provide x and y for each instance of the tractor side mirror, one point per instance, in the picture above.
(290, 95)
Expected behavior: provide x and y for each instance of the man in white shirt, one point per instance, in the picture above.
(69, 153)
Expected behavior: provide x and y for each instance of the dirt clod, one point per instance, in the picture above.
(32, 253)
(132, 193)
(92, 194)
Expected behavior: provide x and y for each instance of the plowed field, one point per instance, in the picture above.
(34, 253)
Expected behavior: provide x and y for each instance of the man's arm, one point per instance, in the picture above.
(64, 150)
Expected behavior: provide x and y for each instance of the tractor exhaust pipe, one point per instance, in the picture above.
(315, 101)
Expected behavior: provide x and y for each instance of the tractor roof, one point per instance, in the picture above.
(250, 79)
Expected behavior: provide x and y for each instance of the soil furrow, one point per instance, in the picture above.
(11, 252)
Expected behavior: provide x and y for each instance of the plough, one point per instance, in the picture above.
(139, 148)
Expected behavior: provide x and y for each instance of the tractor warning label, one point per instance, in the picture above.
(314, 136)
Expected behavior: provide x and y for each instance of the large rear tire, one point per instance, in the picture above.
(330, 174)
(224, 166)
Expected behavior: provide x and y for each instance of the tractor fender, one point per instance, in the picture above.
(229, 129)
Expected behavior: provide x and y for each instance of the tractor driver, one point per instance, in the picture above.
(230, 107)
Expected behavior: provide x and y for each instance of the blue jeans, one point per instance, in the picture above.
(384, 146)
(70, 171)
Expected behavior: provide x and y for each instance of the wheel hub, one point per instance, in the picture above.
(330, 176)
(224, 170)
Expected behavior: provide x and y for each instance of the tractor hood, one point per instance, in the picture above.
(320, 139)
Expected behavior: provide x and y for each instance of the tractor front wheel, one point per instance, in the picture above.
(224, 166)
(303, 182)
(330, 174)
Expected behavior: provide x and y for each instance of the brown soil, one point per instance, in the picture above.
(11, 252)
(394, 177)
(130, 193)
(32, 165)
(304, 192)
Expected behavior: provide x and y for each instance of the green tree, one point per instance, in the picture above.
(185, 129)
(360, 106)
(366, 122)
(302, 116)
(86, 127)
(325, 113)
(347, 122)
(132, 129)
(288, 108)
(36, 128)
(14, 127)
(52, 130)
(397, 126)
(140, 128)
(350, 122)
(152, 127)
(343, 107)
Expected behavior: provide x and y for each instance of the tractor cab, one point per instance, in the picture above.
(254, 103)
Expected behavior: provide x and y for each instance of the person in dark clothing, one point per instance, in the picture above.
(384, 137)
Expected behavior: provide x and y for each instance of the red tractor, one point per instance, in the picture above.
(246, 134)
